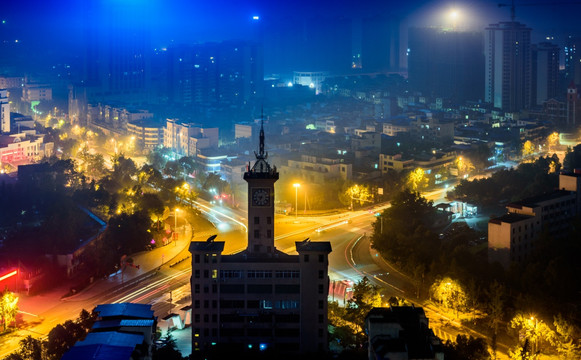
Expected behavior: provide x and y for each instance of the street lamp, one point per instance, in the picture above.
(296, 186)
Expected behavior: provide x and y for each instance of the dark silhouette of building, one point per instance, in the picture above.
(259, 298)
(545, 79)
(380, 47)
(401, 332)
(229, 72)
(444, 63)
(573, 109)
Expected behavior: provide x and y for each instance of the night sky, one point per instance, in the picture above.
(184, 21)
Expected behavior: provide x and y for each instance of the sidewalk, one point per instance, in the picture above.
(148, 261)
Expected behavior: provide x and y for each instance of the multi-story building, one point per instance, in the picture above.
(427, 162)
(545, 66)
(186, 139)
(36, 92)
(4, 112)
(511, 237)
(22, 148)
(446, 63)
(11, 82)
(573, 110)
(148, 134)
(260, 297)
(312, 79)
(380, 47)
(508, 68)
(401, 332)
(317, 170)
(228, 72)
(573, 59)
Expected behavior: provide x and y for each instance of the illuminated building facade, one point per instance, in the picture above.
(186, 139)
(508, 66)
(572, 51)
(259, 298)
(4, 112)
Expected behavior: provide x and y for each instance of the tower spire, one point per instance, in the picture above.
(261, 146)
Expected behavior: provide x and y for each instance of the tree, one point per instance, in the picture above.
(365, 297)
(466, 348)
(417, 180)
(528, 148)
(168, 350)
(355, 194)
(495, 295)
(566, 338)
(8, 308)
(532, 329)
(450, 293)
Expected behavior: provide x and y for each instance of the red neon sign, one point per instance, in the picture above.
(10, 274)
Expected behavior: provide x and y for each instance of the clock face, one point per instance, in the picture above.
(260, 197)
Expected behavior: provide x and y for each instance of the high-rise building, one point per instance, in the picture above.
(229, 72)
(545, 79)
(573, 107)
(446, 63)
(508, 68)
(573, 59)
(380, 48)
(4, 112)
(118, 53)
(259, 298)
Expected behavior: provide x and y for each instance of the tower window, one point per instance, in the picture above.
(306, 258)
(256, 234)
(256, 220)
(268, 220)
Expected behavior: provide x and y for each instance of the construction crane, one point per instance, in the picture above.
(513, 11)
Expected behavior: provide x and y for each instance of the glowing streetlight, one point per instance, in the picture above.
(296, 186)
(176, 218)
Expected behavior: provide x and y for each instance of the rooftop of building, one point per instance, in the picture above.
(148, 123)
(126, 310)
(574, 173)
(318, 246)
(99, 352)
(510, 218)
(113, 338)
(539, 199)
(246, 256)
(115, 324)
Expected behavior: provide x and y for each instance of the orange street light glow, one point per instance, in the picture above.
(9, 275)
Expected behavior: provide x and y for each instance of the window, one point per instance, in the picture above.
(320, 288)
(230, 274)
(214, 288)
(214, 304)
(321, 305)
(321, 274)
(259, 274)
(206, 318)
(206, 304)
(320, 318)
(214, 318)
(214, 258)
(321, 258)
(268, 233)
(206, 257)
(197, 288)
(197, 273)
(214, 274)
(206, 274)
(306, 258)
(197, 258)
(206, 290)
(256, 220)
(197, 304)
(287, 274)
(268, 220)
(197, 318)
(256, 234)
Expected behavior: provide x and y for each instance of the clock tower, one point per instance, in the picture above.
(261, 178)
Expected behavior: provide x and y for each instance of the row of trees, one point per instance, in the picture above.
(59, 340)
(462, 279)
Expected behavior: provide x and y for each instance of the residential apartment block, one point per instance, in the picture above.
(511, 237)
